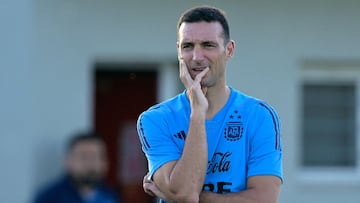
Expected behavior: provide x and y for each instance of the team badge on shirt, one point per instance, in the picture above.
(234, 128)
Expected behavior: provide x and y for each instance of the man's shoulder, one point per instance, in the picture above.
(54, 185)
(52, 190)
(108, 191)
(171, 105)
(250, 104)
(243, 99)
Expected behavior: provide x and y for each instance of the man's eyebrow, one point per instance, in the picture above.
(201, 42)
(186, 43)
(209, 42)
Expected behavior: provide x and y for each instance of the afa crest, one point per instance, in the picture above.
(233, 131)
(234, 128)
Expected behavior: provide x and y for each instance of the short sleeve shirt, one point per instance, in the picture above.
(243, 139)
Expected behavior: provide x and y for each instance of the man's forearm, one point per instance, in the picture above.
(187, 177)
(189, 172)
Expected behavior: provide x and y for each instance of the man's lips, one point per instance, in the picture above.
(195, 71)
(198, 69)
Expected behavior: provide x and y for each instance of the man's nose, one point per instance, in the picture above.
(198, 54)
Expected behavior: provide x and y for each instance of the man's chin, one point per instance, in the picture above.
(86, 180)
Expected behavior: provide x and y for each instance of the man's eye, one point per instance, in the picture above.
(209, 45)
(186, 46)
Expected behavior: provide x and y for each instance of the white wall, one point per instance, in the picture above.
(51, 47)
(16, 130)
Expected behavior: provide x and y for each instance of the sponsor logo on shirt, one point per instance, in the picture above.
(219, 163)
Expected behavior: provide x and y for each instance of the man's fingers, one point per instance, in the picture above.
(185, 75)
(147, 188)
(146, 178)
(199, 76)
(147, 184)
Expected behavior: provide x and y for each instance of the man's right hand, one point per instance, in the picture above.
(195, 92)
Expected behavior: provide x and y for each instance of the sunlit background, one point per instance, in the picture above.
(67, 65)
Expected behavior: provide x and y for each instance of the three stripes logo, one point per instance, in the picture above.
(180, 135)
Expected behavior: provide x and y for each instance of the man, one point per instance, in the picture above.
(85, 165)
(210, 143)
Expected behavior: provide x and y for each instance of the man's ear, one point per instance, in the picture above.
(230, 48)
(178, 50)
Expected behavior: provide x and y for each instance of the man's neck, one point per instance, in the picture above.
(86, 191)
(217, 98)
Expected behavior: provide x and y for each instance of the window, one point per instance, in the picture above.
(330, 121)
(329, 124)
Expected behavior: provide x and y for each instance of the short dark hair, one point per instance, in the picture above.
(83, 136)
(207, 14)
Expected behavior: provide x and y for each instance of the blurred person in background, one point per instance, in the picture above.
(85, 167)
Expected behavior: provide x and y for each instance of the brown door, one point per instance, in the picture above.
(121, 93)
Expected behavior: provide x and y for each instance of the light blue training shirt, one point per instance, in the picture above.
(243, 139)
